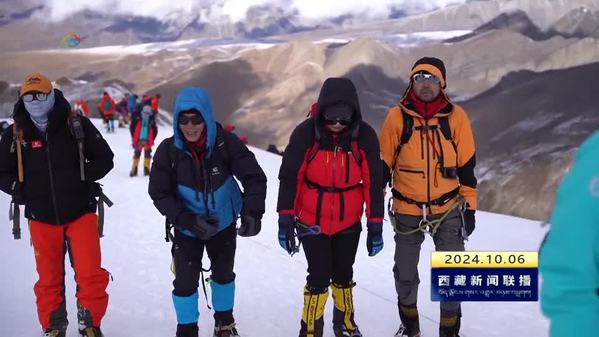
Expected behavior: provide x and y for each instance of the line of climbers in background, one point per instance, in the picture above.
(330, 176)
(140, 114)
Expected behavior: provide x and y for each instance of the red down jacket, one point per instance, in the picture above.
(330, 184)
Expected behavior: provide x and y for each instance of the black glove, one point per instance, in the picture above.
(469, 221)
(203, 228)
(287, 233)
(18, 196)
(250, 225)
(374, 239)
(95, 188)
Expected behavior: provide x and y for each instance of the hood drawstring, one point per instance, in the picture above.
(206, 179)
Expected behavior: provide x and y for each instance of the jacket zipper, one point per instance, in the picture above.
(333, 194)
(205, 189)
(428, 161)
(413, 171)
(52, 190)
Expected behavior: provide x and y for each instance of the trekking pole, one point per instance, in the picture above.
(18, 138)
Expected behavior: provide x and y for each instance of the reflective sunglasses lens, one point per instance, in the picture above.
(426, 77)
(41, 96)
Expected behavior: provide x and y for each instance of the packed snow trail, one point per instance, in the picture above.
(269, 283)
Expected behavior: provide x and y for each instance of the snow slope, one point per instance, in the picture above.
(269, 282)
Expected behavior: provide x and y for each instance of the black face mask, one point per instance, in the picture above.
(341, 113)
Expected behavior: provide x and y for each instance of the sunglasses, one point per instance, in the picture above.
(422, 77)
(195, 119)
(39, 96)
(343, 122)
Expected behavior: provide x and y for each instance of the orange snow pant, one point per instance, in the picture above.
(50, 243)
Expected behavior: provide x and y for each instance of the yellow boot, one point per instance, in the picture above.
(147, 162)
(313, 312)
(133, 172)
(343, 314)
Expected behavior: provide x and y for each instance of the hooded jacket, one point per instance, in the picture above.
(52, 190)
(331, 188)
(569, 258)
(417, 170)
(178, 184)
(107, 106)
(143, 129)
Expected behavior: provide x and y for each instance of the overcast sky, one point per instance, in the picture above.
(236, 9)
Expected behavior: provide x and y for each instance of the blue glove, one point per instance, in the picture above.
(374, 239)
(287, 233)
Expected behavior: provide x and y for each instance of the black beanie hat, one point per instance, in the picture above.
(430, 61)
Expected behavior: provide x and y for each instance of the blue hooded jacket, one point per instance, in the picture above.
(131, 103)
(569, 259)
(178, 184)
(224, 200)
(198, 99)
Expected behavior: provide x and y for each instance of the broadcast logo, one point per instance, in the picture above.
(71, 40)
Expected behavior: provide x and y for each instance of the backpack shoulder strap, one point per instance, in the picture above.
(408, 128)
(172, 155)
(406, 134)
(355, 149)
(221, 148)
(354, 145)
(445, 129)
(75, 124)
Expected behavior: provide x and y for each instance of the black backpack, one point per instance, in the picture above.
(408, 130)
(220, 148)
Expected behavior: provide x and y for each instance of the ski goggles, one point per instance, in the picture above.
(39, 96)
(343, 122)
(195, 119)
(425, 77)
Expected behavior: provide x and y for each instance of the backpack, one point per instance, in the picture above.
(107, 105)
(355, 150)
(220, 148)
(408, 130)
(75, 125)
